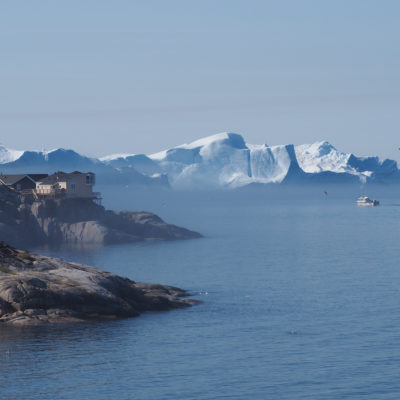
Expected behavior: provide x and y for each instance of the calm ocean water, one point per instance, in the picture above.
(301, 301)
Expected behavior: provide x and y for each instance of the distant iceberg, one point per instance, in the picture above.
(226, 160)
(8, 155)
(223, 160)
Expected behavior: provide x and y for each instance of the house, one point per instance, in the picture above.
(75, 184)
(22, 181)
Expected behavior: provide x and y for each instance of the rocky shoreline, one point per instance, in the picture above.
(78, 221)
(37, 290)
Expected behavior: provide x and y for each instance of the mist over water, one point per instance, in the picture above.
(300, 298)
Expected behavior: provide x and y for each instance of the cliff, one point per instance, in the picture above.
(56, 221)
(36, 290)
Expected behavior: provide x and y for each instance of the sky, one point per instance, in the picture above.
(105, 77)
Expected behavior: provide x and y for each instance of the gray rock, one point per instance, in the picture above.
(73, 221)
(35, 290)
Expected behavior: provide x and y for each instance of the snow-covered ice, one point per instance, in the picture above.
(8, 155)
(217, 161)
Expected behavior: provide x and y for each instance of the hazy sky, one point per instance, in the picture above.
(140, 76)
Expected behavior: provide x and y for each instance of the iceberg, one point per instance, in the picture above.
(220, 161)
(8, 155)
(215, 161)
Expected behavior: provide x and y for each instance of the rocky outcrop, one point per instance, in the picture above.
(36, 290)
(78, 220)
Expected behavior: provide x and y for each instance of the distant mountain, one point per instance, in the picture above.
(223, 160)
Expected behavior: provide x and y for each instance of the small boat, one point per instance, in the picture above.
(366, 201)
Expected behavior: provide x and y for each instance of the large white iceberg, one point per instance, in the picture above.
(223, 160)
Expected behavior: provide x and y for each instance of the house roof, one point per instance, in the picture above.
(38, 177)
(60, 176)
(12, 179)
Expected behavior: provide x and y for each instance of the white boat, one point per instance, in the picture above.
(366, 201)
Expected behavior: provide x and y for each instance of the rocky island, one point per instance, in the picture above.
(37, 290)
(77, 220)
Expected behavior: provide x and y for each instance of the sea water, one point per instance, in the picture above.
(300, 300)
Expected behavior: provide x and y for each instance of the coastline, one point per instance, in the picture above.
(36, 290)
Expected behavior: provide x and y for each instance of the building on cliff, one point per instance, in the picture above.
(62, 184)
(22, 181)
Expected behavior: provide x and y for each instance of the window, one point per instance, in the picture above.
(90, 179)
(19, 187)
(72, 187)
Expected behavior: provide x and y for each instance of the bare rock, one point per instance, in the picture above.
(36, 290)
(77, 220)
